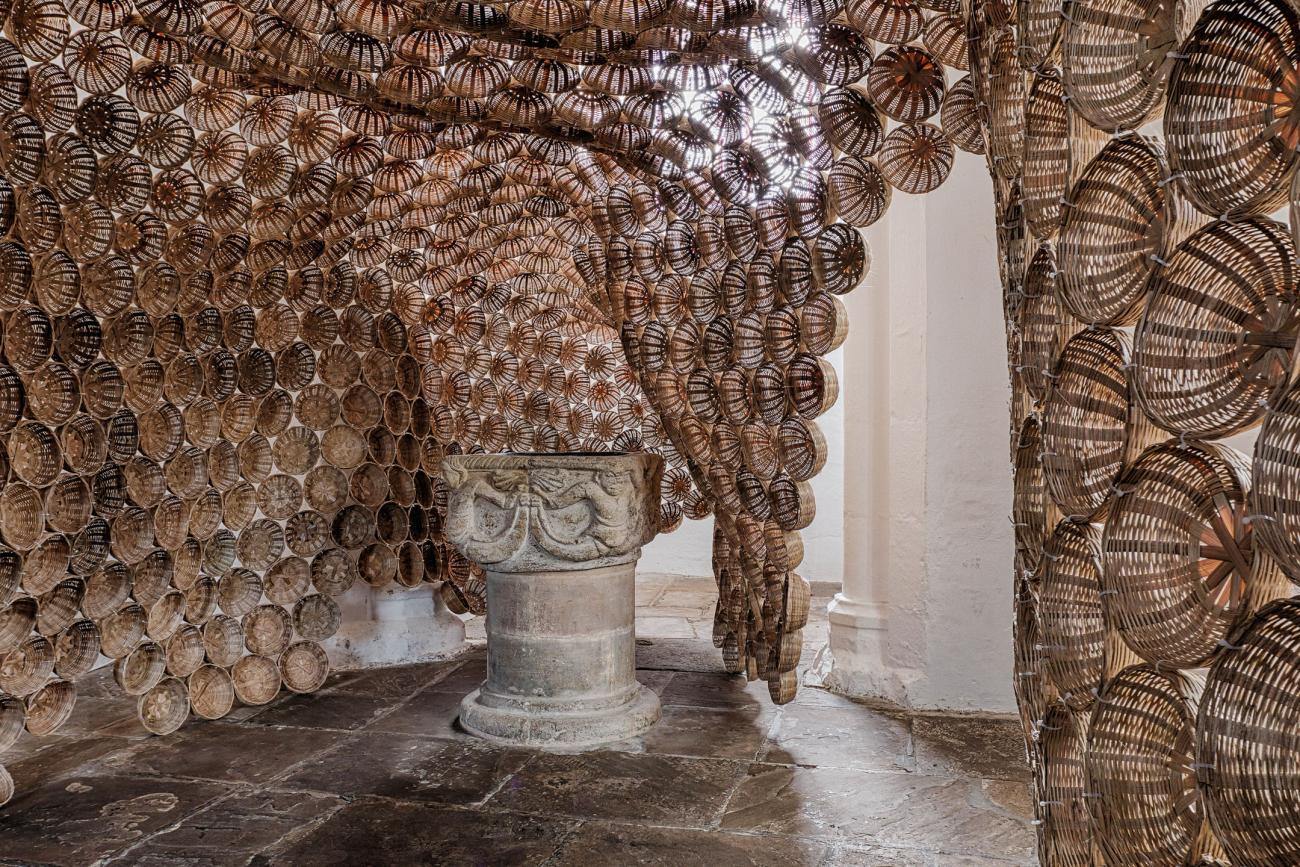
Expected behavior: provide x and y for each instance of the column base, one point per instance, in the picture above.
(548, 724)
(857, 660)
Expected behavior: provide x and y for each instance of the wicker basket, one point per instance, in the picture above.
(1231, 151)
(1071, 621)
(1216, 342)
(211, 691)
(1116, 57)
(1146, 807)
(50, 707)
(1087, 433)
(165, 707)
(1065, 835)
(256, 679)
(140, 670)
(27, 667)
(1247, 747)
(1180, 564)
(304, 666)
(1121, 217)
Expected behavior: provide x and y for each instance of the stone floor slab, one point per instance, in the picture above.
(370, 833)
(650, 789)
(242, 753)
(83, 819)
(344, 711)
(606, 844)
(905, 811)
(976, 746)
(408, 768)
(233, 830)
(857, 737)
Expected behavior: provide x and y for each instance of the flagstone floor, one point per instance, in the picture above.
(373, 771)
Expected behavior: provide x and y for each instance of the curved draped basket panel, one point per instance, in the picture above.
(1216, 341)
(1179, 556)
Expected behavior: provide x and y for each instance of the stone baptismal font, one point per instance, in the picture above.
(559, 536)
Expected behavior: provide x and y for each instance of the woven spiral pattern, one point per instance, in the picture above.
(1070, 622)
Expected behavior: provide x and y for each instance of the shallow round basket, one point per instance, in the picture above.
(13, 718)
(1275, 497)
(1071, 622)
(185, 651)
(211, 692)
(256, 679)
(916, 158)
(316, 617)
(122, 630)
(1180, 568)
(1060, 784)
(141, 669)
(165, 707)
(268, 630)
(1029, 500)
(1140, 743)
(25, 669)
(1085, 427)
(1120, 218)
(1038, 324)
(1047, 154)
(1034, 695)
(166, 615)
(1115, 55)
(304, 666)
(49, 707)
(1039, 31)
(76, 650)
(1006, 108)
(223, 639)
(1248, 741)
(1216, 342)
(1228, 142)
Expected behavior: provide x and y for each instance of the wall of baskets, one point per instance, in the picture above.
(1143, 154)
(262, 264)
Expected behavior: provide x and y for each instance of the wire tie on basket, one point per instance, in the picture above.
(1108, 593)
(1066, 203)
(1250, 519)
(1051, 803)
(1154, 257)
(1226, 645)
(1093, 795)
(1129, 366)
(1202, 766)
(1176, 55)
(1173, 177)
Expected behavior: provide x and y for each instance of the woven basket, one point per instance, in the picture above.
(1145, 805)
(1216, 341)
(304, 666)
(165, 707)
(1247, 742)
(223, 639)
(212, 692)
(1227, 143)
(50, 707)
(1034, 694)
(185, 651)
(140, 670)
(1039, 324)
(256, 679)
(1047, 153)
(1121, 217)
(1116, 58)
(75, 651)
(1180, 564)
(1064, 828)
(25, 669)
(13, 715)
(17, 622)
(43, 567)
(1071, 622)
(1087, 433)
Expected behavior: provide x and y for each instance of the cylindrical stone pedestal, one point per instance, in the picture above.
(559, 537)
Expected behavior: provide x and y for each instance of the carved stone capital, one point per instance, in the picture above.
(551, 513)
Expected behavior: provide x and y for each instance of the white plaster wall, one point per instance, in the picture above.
(969, 546)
